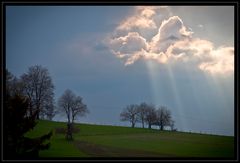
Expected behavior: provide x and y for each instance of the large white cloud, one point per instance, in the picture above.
(152, 33)
(170, 31)
(127, 45)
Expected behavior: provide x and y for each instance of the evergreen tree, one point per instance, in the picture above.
(16, 124)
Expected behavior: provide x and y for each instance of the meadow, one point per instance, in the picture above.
(115, 141)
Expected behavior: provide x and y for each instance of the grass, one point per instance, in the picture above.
(112, 141)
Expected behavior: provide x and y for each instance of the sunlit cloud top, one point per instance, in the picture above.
(154, 33)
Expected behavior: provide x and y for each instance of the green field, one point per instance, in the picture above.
(112, 141)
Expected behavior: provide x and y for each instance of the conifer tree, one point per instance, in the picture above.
(17, 122)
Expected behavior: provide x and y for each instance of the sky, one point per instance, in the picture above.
(181, 57)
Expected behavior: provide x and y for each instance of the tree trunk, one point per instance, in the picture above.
(161, 127)
(69, 132)
(38, 110)
(69, 127)
(142, 124)
(133, 125)
(149, 126)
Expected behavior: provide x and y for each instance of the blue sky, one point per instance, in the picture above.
(113, 56)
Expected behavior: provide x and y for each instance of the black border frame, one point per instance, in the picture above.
(235, 3)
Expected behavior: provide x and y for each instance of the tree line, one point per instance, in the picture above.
(148, 114)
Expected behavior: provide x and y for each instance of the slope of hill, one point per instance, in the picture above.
(112, 141)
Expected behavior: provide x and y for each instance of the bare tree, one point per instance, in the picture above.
(65, 102)
(49, 111)
(163, 117)
(150, 115)
(38, 87)
(79, 108)
(72, 105)
(130, 114)
(142, 109)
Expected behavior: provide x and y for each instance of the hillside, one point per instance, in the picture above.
(112, 141)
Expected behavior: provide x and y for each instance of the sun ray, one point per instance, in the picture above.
(155, 77)
(179, 108)
(153, 80)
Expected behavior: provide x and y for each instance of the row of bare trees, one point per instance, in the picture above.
(147, 113)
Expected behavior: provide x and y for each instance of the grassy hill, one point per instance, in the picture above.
(112, 141)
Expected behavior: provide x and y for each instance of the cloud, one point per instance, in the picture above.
(128, 45)
(142, 19)
(204, 55)
(153, 33)
(221, 61)
(145, 21)
(143, 54)
(170, 31)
